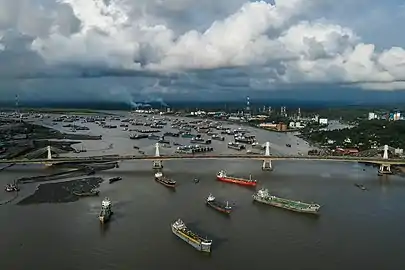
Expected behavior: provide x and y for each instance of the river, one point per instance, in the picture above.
(355, 229)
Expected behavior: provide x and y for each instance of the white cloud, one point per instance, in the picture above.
(284, 39)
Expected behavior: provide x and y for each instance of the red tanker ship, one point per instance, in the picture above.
(221, 176)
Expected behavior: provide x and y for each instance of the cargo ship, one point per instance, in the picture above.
(218, 137)
(138, 136)
(236, 146)
(159, 177)
(187, 135)
(198, 242)
(219, 206)
(263, 196)
(154, 137)
(222, 176)
(197, 138)
(106, 212)
(246, 140)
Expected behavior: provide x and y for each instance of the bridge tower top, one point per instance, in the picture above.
(385, 155)
(48, 149)
(157, 152)
(267, 153)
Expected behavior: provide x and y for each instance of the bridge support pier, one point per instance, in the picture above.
(157, 164)
(385, 168)
(48, 149)
(266, 166)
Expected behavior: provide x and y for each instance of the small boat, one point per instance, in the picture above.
(360, 186)
(91, 193)
(217, 205)
(196, 180)
(12, 187)
(159, 177)
(106, 211)
(114, 179)
(136, 147)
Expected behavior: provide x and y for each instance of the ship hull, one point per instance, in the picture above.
(241, 182)
(219, 207)
(165, 183)
(105, 218)
(285, 206)
(192, 242)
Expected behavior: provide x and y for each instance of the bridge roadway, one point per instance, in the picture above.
(111, 158)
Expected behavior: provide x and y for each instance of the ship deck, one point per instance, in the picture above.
(193, 235)
(296, 204)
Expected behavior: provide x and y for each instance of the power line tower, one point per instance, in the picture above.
(17, 109)
(16, 104)
(248, 105)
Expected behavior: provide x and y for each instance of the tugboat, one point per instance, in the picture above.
(360, 186)
(222, 176)
(12, 187)
(106, 212)
(159, 177)
(198, 242)
(263, 196)
(114, 179)
(219, 206)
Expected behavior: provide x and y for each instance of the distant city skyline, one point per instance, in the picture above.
(132, 51)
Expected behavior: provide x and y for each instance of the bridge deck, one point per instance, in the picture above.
(200, 157)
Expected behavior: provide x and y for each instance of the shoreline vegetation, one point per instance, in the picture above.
(365, 135)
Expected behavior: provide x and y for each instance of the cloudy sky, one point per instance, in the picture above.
(147, 49)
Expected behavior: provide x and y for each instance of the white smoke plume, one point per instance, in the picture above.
(283, 40)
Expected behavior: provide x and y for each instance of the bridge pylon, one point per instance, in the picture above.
(385, 168)
(157, 163)
(48, 150)
(267, 162)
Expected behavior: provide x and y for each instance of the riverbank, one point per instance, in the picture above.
(62, 192)
(22, 138)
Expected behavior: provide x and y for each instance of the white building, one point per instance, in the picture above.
(323, 121)
(399, 151)
(397, 116)
(372, 116)
(296, 125)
